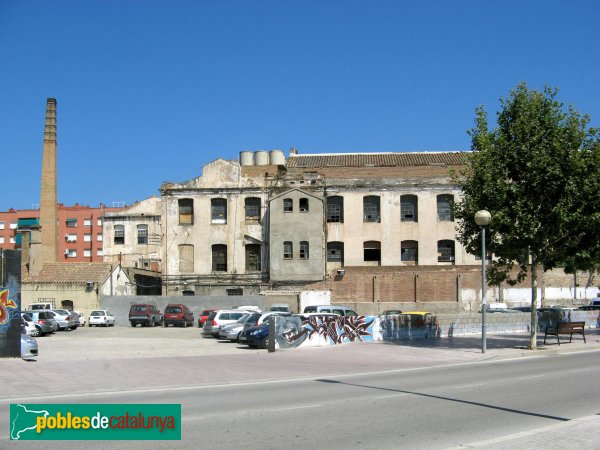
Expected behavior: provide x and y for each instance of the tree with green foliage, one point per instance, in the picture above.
(538, 174)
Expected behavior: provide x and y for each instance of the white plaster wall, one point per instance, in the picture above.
(309, 298)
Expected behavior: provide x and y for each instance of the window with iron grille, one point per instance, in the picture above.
(444, 208)
(408, 208)
(371, 211)
(219, 258)
(252, 205)
(186, 211)
(409, 251)
(335, 252)
(445, 251)
(119, 234)
(288, 250)
(304, 247)
(234, 292)
(142, 234)
(288, 205)
(252, 258)
(218, 210)
(335, 209)
(303, 205)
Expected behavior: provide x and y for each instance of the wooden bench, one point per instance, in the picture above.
(565, 328)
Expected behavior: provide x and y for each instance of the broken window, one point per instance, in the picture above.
(408, 208)
(335, 252)
(186, 211)
(288, 205)
(288, 250)
(252, 205)
(444, 208)
(252, 258)
(303, 205)
(335, 209)
(304, 249)
(445, 251)
(372, 251)
(371, 211)
(219, 258)
(409, 251)
(218, 210)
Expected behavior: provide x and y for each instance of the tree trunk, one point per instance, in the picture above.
(533, 334)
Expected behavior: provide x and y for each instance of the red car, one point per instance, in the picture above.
(203, 315)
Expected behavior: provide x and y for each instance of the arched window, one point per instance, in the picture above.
(444, 208)
(186, 258)
(335, 209)
(253, 258)
(219, 258)
(371, 209)
(409, 251)
(335, 252)
(372, 251)
(408, 208)
(446, 251)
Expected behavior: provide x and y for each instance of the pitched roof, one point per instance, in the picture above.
(69, 273)
(377, 159)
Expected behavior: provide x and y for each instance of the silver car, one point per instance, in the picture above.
(29, 347)
(217, 319)
(66, 320)
(43, 321)
(233, 330)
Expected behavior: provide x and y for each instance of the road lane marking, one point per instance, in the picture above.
(466, 386)
(389, 396)
(530, 377)
(295, 407)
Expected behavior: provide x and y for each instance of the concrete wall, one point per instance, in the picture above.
(119, 305)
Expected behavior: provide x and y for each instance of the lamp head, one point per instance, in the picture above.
(483, 218)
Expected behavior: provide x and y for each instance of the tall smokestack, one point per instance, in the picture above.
(48, 198)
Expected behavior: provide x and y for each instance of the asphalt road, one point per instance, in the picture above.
(429, 407)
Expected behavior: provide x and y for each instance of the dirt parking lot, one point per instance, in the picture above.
(86, 343)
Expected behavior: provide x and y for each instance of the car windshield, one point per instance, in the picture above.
(173, 309)
(27, 317)
(138, 308)
(97, 313)
(243, 318)
(212, 315)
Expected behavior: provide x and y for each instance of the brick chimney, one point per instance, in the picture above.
(48, 215)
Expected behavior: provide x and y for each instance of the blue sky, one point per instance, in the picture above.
(150, 91)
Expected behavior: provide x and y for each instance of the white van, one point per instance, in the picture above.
(38, 306)
(332, 309)
(595, 301)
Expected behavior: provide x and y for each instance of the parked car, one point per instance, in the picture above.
(280, 307)
(65, 319)
(232, 331)
(590, 307)
(256, 336)
(29, 347)
(36, 306)
(203, 316)
(43, 321)
(248, 308)
(80, 317)
(101, 317)
(595, 301)
(522, 308)
(335, 309)
(29, 326)
(217, 319)
(145, 315)
(178, 314)
(263, 317)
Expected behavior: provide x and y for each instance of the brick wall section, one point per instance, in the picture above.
(421, 284)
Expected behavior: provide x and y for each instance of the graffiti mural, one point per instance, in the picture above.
(8, 310)
(322, 329)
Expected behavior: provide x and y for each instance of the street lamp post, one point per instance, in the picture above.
(483, 218)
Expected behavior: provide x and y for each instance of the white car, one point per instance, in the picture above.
(79, 315)
(30, 329)
(101, 317)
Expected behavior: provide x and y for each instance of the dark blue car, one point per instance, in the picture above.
(256, 336)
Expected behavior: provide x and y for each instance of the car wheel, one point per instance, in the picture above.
(133, 324)
(152, 324)
(265, 342)
(37, 332)
(184, 324)
(89, 324)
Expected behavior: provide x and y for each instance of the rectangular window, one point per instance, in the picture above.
(100, 252)
(288, 250)
(99, 237)
(119, 234)
(1, 225)
(87, 252)
(252, 209)
(335, 209)
(71, 253)
(408, 208)
(12, 240)
(303, 205)
(71, 238)
(87, 237)
(304, 250)
(71, 223)
(186, 259)
(186, 211)
(1, 239)
(13, 225)
(371, 209)
(252, 258)
(99, 222)
(87, 222)
(288, 205)
(142, 234)
(234, 292)
(444, 208)
(218, 210)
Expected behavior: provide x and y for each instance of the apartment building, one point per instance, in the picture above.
(79, 230)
